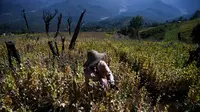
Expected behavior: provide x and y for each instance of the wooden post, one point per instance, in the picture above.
(76, 32)
(12, 52)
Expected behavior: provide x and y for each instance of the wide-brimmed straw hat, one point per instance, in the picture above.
(93, 57)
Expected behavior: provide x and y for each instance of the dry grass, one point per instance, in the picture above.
(150, 76)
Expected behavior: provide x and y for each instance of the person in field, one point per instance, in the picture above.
(97, 70)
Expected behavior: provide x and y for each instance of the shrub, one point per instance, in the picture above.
(158, 32)
(123, 31)
(196, 34)
(143, 71)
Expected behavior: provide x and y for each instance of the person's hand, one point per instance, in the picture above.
(112, 86)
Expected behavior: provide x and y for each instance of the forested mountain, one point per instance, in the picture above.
(97, 10)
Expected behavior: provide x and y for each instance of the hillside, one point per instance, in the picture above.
(73, 8)
(169, 31)
(154, 10)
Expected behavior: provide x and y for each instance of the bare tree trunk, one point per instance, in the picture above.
(57, 51)
(138, 35)
(63, 44)
(47, 28)
(58, 25)
(69, 21)
(12, 52)
(23, 14)
(47, 17)
(76, 32)
(54, 52)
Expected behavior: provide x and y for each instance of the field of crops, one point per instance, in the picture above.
(150, 76)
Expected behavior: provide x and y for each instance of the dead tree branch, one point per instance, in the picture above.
(23, 14)
(76, 32)
(53, 50)
(82, 23)
(47, 17)
(69, 22)
(58, 25)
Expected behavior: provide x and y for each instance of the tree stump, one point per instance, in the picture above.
(12, 52)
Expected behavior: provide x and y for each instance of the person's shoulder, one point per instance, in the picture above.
(102, 63)
(103, 66)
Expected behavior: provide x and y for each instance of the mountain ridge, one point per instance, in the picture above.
(97, 10)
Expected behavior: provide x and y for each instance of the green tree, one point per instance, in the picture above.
(135, 25)
(181, 18)
(196, 15)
